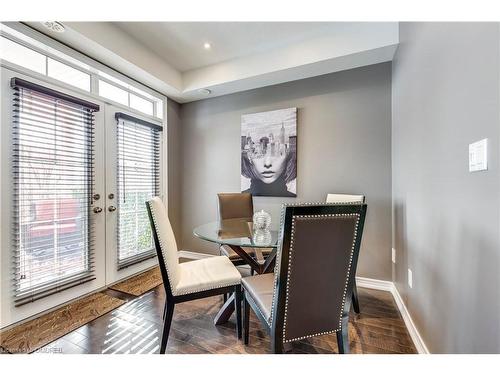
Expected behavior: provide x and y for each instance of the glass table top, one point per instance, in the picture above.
(236, 232)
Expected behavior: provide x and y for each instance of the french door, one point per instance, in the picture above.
(133, 175)
(74, 183)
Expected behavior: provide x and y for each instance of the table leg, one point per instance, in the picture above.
(268, 265)
(226, 311)
(228, 308)
(247, 258)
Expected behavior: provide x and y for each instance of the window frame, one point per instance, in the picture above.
(88, 66)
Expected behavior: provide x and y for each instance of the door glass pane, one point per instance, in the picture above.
(137, 181)
(53, 180)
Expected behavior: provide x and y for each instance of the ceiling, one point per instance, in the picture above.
(181, 43)
(170, 57)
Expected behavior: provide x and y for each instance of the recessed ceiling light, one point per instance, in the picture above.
(205, 91)
(54, 26)
(207, 45)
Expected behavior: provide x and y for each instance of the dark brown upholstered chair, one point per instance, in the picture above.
(310, 292)
(235, 206)
(349, 198)
(191, 280)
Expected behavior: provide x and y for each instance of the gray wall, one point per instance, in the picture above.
(446, 220)
(344, 145)
(174, 131)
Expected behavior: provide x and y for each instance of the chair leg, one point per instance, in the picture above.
(355, 300)
(237, 307)
(343, 336)
(167, 321)
(246, 320)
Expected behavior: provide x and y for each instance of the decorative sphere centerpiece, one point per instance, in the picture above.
(261, 220)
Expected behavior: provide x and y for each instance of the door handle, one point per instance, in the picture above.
(111, 208)
(97, 210)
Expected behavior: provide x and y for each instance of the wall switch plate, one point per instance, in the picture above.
(393, 256)
(478, 156)
(410, 278)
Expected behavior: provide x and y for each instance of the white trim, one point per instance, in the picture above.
(410, 325)
(362, 282)
(389, 286)
(365, 282)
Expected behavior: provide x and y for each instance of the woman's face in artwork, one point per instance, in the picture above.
(269, 167)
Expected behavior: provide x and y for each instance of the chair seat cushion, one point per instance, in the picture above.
(232, 255)
(205, 274)
(260, 289)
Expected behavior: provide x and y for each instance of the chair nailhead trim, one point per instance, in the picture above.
(289, 271)
(282, 220)
(160, 240)
(208, 288)
(166, 266)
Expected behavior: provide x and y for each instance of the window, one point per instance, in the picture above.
(114, 93)
(65, 73)
(141, 104)
(22, 50)
(22, 56)
(52, 158)
(138, 180)
(123, 94)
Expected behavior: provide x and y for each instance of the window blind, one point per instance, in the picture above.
(53, 183)
(138, 180)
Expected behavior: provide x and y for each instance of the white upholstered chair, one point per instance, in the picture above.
(348, 198)
(191, 280)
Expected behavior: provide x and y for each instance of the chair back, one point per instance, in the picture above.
(235, 205)
(345, 198)
(166, 246)
(315, 268)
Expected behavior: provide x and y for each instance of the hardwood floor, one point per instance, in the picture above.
(135, 327)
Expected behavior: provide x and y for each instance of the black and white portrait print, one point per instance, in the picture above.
(269, 153)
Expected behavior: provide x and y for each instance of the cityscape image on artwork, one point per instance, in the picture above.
(269, 153)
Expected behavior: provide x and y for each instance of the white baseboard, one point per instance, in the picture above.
(388, 286)
(362, 282)
(410, 325)
(365, 282)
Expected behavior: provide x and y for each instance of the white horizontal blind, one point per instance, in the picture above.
(138, 180)
(53, 177)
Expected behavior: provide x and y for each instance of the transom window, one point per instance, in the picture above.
(18, 49)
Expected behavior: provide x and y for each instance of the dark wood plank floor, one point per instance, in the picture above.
(136, 328)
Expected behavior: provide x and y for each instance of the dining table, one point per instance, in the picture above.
(238, 234)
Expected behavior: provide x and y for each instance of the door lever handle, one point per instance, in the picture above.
(111, 208)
